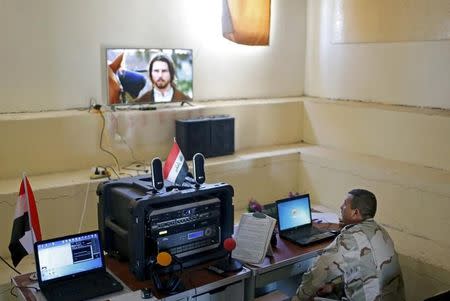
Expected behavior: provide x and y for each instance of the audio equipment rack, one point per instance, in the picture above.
(190, 222)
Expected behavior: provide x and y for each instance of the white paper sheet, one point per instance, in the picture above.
(253, 238)
(325, 217)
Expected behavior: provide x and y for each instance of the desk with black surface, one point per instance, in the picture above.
(289, 260)
(200, 285)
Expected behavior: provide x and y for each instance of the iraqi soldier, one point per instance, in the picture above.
(361, 263)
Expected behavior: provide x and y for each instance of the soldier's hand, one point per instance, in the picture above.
(325, 289)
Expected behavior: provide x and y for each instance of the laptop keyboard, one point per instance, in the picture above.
(92, 286)
(306, 232)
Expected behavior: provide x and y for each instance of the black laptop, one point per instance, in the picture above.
(72, 268)
(295, 222)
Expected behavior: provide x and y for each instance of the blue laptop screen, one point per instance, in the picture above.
(294, 212)
(68, 256)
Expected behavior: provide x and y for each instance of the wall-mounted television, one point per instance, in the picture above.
(149, 75)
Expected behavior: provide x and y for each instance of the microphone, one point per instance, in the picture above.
(164, 259)
(229, 264)
(229, 244)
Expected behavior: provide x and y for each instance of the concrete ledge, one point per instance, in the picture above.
(409, 134)
(49, 142)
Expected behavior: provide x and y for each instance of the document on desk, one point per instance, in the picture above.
(325, 217)
(253, 238)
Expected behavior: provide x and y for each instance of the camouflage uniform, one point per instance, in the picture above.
(361, 262)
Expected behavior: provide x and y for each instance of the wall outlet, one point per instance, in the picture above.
(99, 173)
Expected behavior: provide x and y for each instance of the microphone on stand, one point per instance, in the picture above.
(229, 264)
(171, 285)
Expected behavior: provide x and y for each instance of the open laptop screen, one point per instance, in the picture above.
(68, 256)
(294, 212)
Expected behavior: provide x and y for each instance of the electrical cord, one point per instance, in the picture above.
(11, 291)
(127, 174)
(101, 141)
(138, 169)
(84, 206)
(124, 141)
(98, 109)
(19, 287)
(180, 272)
(138, 165)
(10, 266)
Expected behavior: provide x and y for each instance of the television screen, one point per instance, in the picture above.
(149, 75)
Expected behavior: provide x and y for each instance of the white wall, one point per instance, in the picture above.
(52, 50)
(403, 73)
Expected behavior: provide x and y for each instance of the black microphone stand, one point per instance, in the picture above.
(229, 264)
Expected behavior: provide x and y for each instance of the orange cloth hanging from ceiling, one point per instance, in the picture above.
(246, 21)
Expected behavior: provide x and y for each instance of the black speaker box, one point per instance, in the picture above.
(212, 136)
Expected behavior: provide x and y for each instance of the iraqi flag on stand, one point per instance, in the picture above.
(26, 229)
(175, 168)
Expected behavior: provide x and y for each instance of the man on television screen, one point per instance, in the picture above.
(161, 71)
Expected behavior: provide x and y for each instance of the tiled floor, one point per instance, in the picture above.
(25, 266)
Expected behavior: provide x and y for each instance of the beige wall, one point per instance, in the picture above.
(399, 151)
(52, 51)
(356, 21)
(404, 73)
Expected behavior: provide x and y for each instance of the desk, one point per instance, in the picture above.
(288, 260)
(200, 285)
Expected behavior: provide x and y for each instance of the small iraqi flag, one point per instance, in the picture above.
(26, 229)
(175, 168)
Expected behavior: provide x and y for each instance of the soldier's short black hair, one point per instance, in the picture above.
(365, 201)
